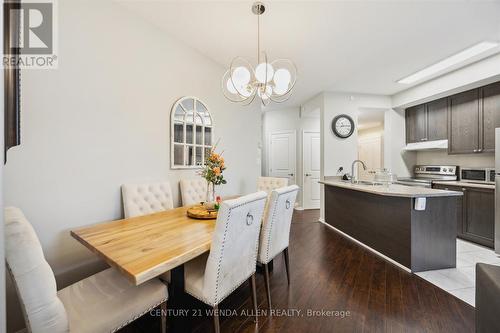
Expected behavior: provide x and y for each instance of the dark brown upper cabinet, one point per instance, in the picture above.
(416, 124)
(490, 107)
(463, 125)
(427, 122)
(437, 120)
(474, 115)
(468, 120)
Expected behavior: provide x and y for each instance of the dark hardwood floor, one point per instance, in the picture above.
(356, 290)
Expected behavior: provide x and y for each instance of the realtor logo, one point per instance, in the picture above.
(31, 34)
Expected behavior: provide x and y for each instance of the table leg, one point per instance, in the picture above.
(178, 317)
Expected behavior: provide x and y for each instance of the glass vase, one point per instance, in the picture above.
(210, 192)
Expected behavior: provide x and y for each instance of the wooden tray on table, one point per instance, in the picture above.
(202, 213)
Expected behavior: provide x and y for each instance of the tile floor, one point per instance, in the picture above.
(461, 281)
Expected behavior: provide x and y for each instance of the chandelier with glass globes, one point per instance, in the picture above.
(270, 81)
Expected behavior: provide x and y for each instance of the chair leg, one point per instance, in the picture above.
(268, 288)
(287, 264)
(164, 317)
(254, 296)
(216, 319)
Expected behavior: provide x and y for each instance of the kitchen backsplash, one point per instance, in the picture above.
(463, 160)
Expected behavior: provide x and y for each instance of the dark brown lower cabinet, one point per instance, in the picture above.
(477, 222)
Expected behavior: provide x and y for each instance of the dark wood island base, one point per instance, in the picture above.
(419, 240)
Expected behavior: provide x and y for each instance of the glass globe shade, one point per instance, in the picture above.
(230, 87)
(280, 90)
(264, 72)
(282, 77)
(241, 76)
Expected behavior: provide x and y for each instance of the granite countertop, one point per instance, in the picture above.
(464, 184)
(393, 190)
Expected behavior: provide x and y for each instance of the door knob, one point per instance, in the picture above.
(290, 174)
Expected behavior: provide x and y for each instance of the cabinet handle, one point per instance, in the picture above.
(290, 174)
(308, 174)
(476, 150)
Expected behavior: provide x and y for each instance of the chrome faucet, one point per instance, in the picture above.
(353, 179)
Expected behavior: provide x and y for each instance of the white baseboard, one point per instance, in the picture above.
(366, 246)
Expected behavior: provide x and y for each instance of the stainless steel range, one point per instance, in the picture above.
(425, 174)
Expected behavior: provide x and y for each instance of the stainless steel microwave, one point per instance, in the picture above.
(477, 175)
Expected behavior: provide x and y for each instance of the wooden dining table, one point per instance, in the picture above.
(144, 247)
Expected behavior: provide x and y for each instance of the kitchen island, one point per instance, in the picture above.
(412, 226)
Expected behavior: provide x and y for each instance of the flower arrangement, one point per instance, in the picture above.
(212, 172)
(214, 166)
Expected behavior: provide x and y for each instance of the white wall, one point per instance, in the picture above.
(288, 119)
(102, 119)
(396, 159)
(462, 160)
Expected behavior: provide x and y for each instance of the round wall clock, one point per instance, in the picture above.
(343, 126)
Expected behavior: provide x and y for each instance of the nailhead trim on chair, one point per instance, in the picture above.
(222, 252)
(272, 222)
(137, 316)
(270, 227)
(221, 256)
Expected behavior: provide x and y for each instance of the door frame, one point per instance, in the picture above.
(302, 165)
(269, 155)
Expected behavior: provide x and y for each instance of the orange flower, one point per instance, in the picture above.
(216, 171)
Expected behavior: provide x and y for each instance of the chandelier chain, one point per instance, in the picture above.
(258, 37)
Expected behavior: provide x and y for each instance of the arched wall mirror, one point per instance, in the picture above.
(192, 132)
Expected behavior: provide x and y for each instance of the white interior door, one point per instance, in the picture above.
(370, 152)
(282, 148)
(311, 151)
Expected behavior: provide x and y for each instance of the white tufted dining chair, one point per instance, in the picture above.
(233, 253)
(193, 191)
(101, 303)
(267, 184)
(144, 199)
(275, 234)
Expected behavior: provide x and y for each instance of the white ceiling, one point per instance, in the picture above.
(351, 46)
